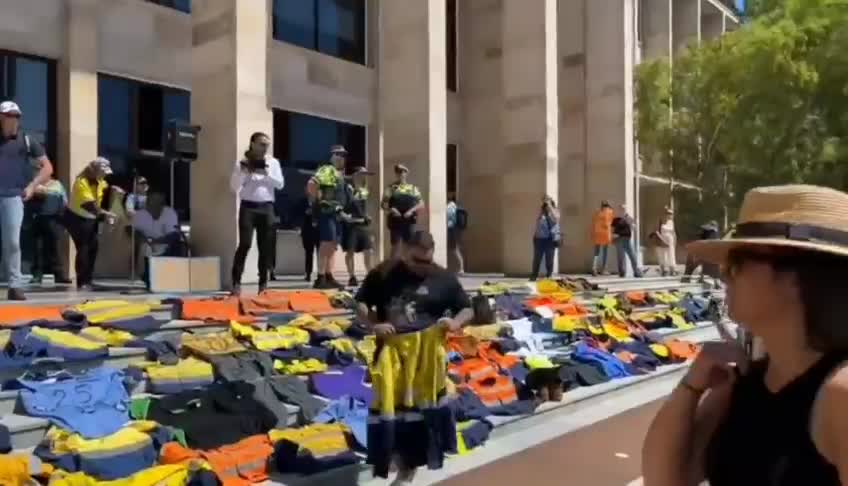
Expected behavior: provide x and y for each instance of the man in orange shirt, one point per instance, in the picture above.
(601, 237)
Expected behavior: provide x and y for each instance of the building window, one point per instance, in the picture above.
(451, 44)
(452, 171)
(31, 83)
(132, 120)
(181, 5)
(332, 27)
(301, 143)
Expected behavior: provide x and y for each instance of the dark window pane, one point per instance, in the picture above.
(294, 22)
(450, 44)
(150, 129)
(177, 106)
(113, 128)
(452, 170)
(31, 93)
(341, 29)
(181, 5)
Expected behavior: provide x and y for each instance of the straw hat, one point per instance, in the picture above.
(793, 216)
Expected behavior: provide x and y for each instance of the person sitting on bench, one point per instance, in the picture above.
(157, 232)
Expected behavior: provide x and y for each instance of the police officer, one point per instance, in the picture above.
(326, 190)
(402, 200)
(23, 167)
(356, 232)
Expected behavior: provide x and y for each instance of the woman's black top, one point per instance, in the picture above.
(765, 438)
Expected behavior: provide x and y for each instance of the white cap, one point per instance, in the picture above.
(103, 164)
(10, 108)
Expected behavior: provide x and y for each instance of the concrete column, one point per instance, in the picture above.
(229, 101)
(481, 54)
(573, 168)
(687, 23)
(77, 97)
(658, 28)
(530, 123)
(413, 103)
(374, 143)
(712, 21)
(610, 173)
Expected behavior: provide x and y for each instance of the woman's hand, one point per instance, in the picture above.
(715, 365)
(384, 329)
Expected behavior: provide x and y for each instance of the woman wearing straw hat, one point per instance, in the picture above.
(780, 420)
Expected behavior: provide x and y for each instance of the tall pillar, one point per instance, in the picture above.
(610, 172)
(687, 23)
(413, 103)
(77, 97)
(572, 147)
(657, 18)
(530, 123)
(229, 102)
(481, 52)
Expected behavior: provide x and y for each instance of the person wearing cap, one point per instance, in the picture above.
(709, 231)
(779, 419)
(665, 244)
(402, 200)
(47, 208)
(20, 157)
(255, 180)
(356, 233)
(601, 237)
(85, 213)
(326, 190)
(137, 199)
(622, 230)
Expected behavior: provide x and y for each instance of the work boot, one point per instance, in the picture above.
(16, 294)
(332, 283)
(320, 282)
(308, 277)
(353, 282)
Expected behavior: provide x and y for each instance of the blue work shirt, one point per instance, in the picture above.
(349, 411)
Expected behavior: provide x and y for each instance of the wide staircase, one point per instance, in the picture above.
(27, 432)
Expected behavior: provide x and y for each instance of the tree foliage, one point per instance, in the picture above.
(766, 104)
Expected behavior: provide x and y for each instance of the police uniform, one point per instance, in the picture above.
(403, 197)
(356, 234)
(330, 203)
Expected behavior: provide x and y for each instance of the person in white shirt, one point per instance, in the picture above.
(158, 231)
(255, 180)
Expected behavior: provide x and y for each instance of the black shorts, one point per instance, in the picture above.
(356, 238)
(401, 232)
(329, 228)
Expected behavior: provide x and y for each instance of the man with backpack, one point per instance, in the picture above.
(20, 157)
(457, 222)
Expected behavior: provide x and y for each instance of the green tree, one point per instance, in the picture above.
(766, 104)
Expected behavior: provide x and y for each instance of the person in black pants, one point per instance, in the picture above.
(47, 207)
(83, 217)
(309, 238)
(255, 179)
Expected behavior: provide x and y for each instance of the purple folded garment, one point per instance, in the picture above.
(339, 382)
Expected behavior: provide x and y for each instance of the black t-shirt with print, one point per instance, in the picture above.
(409, 301)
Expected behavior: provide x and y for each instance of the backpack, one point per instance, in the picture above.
(461, 219)
(483, 311)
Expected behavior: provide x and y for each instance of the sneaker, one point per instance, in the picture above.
(353, 282)
(16, 294)
(36, 280)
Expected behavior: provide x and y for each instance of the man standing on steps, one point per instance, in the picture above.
(356, 226)
(326, 191)
(20, 156)
(622, 229)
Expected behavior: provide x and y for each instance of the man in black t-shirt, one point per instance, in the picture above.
(412, 293)
(622, 231)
